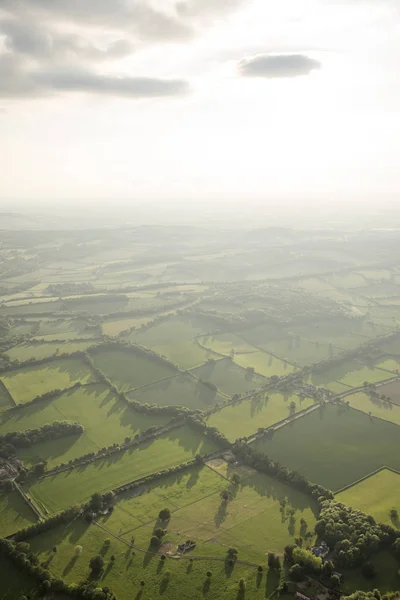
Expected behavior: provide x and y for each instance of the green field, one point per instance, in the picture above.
(39, 351)
(105, 419)
(182, 390)
(386, 578)
(333, 446)
(60, 491)
(226, 344)
(349, 374)
(5, 399)
(124, 575)
(129, 370)
(264, 364)
(115, 327)
(175, 339)
(375, 407)
(228, 377)
(392, 390)
(26, 383)
(376, 496)
(251, 521)
(15, 514)
(244, 419)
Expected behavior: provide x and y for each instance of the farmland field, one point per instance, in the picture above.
(228, 377)
(60, 491)
(26, 383)
(129, 370)
(264, 364)
(182, 390)
(375, 407)
(338, 449)
(6, 401)
(39, 351)
(15, 514)
(105, 419)
(376, 496)
(392, 390)
(244, 418)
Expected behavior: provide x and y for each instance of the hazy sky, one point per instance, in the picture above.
(213, 99)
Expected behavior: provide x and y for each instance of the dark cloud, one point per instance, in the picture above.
(277, 65)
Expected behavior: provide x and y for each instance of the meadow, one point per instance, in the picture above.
(182, 390)
(377, 496)
(228, 377)
(264, 364)
(15, 514)
(105, 418)
(392, 390)
(6, 401)
(244, 418)
(26, 383)
(57, 492)
(39, 350)
(334, 445)
(375, 407)
(129, 370)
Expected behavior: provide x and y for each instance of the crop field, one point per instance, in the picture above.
(264, 364)
(244, 418)
(114, 327)
(26, 383)
(175, 339)
(182, 390)
(174, 579)
(392, 390)
(105, 419)
(15, 514)
(375, 407)
(129, 370)
(377, 496)
(228, 377)
(338, 378)
(39, 350)
(57, 492)
(332, 445)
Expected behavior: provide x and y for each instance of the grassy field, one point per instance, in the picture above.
(26, 383)
(182, 390)
(386, 579)
(115, 327)
(174, 579)
(375, 407)
(105, 419)
(349, 374)
(15, 514)
(130, 370)
(392, 390)
(251, 521)
(226, 343)
(244, 418)
(14, 583)
(264, 364)
(177, 446)
(228, 377)
(5, 399)
(38, 351)
(376, 496)
(333, 446)
(175, 339)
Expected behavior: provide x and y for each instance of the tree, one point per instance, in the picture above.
(78, 550)
(40, 468)
(96, 564)
(396, 547)
(242, 584)
(368, 570)
(209, 574)
(334, 580)
(96, 502)
(394, 514)
(235, 479)
(164, 514)
(296, 573)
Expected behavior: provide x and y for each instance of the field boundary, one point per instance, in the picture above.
(350, 485)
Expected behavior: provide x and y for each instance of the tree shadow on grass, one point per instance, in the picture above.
(259, 579)
(240, 595)
(206, 586)
(164, 585)
(107, 569)
(139, 595)
(70, 565)
(221, 514)
(189, 568)
(271, 582)
(395, 521)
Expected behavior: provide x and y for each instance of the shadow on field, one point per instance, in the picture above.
(221, 514)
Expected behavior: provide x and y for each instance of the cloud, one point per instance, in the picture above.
(200, 8)
(277, 65)
(17, 80)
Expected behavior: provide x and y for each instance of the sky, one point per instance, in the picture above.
(200, 101)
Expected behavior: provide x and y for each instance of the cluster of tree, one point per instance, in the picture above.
(213, 433)
(63, 517)
(352, 534)
(159, 475)
(64, 289)
(374, 595)
(24, 439)
(261, 462)
(26, 561)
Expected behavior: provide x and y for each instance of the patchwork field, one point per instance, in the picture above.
(228, 377)
(105, 419)
(15, 514)
(375, 407)
(129, 370)
(26, 383)
(6, 401)
(332, 446)
(392, 390)
(60, 491)
(244, 418)
(377, 496)
(182, 390)
(39, 351)
(350, 374)
(264, 364)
